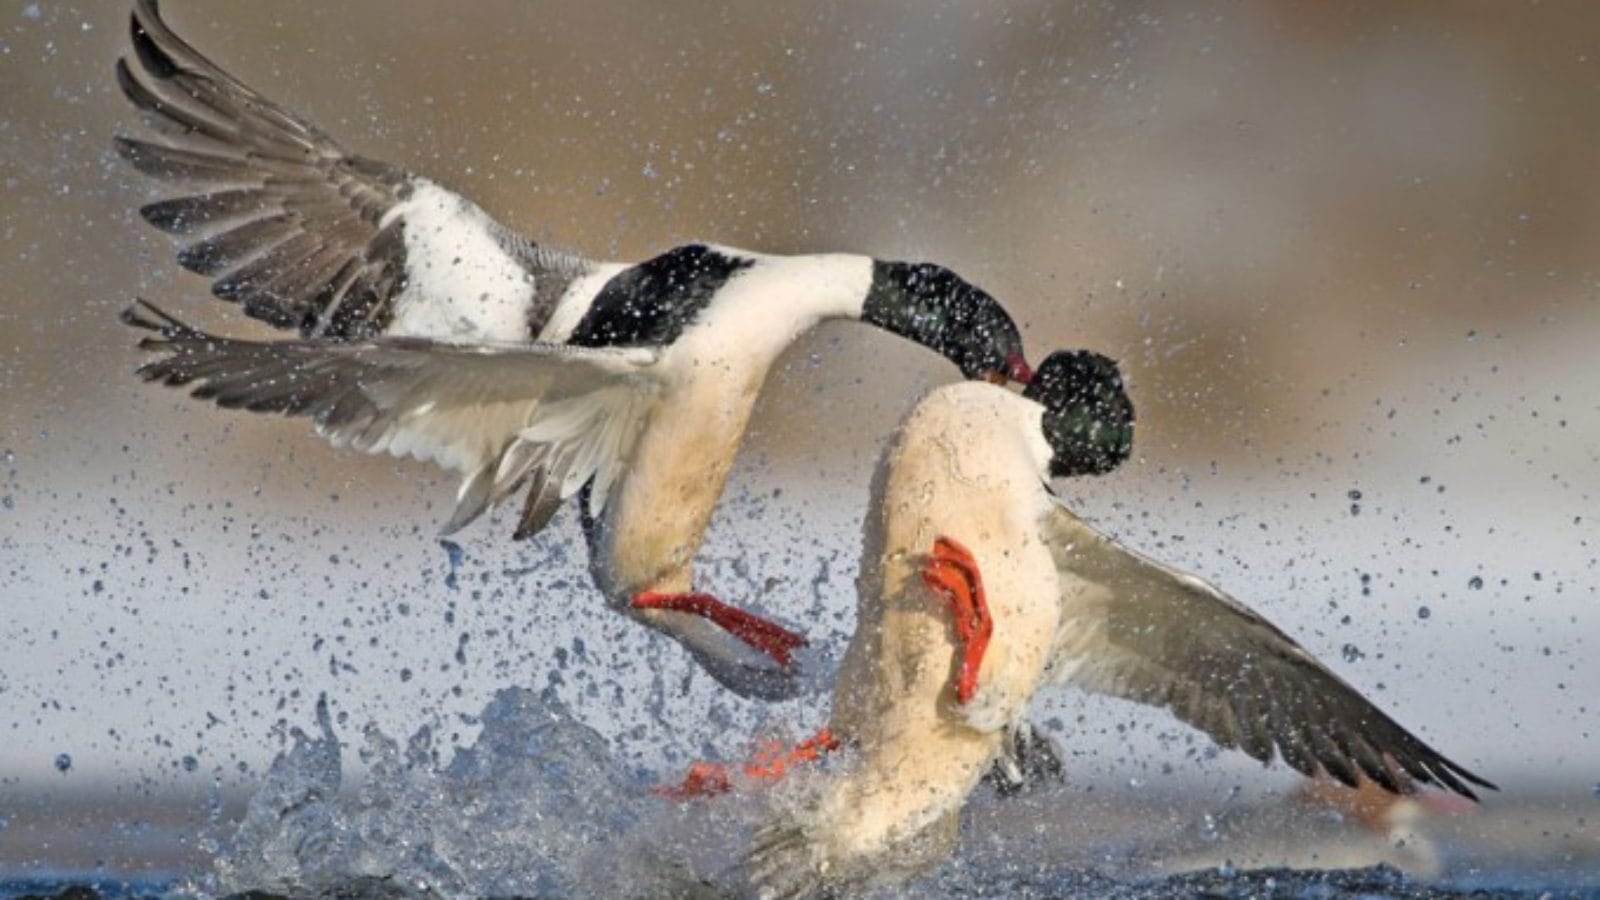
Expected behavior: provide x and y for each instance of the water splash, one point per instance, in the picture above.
(538, 806)
(541, 805)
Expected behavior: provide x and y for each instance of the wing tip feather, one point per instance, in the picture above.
(141, 313)
(144, 24)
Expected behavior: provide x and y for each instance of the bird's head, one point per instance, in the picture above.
(938, 309)
(1088, 418)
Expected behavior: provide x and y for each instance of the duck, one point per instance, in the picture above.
(425, 328)
(979, 588)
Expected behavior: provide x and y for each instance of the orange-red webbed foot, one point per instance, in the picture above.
(774, 640)
(952, 572)
(771, 762)
(704, 780)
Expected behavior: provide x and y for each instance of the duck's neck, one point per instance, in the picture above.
(897, 300)
(926, 303)
(814, 287)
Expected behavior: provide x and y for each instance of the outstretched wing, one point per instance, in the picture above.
(1136, 629)
(549, 415)
(305, 235)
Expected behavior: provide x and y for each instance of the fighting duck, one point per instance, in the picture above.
(428, 329)
(978, 587)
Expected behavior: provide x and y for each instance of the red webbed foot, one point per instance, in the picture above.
(772, 760)
(704, 780)
(952, 572)
(774, 640)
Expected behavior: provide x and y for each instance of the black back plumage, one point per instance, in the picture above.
(654, 301)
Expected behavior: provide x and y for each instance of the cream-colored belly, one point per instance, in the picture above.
(920, 751)
(659, 513)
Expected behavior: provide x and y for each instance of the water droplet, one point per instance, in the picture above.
(1351, 653)
(1423, 612)
(190, 764)
(455, 556)
(1475, 582)
(63, 762)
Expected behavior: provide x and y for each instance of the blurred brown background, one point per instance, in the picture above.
(1248, 203)
(1345, 250)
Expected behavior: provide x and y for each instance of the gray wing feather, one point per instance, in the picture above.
(544, 499)
(1136, 629)
(545, 416)
(298, 231)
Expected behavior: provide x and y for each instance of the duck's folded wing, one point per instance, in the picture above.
(305, 235)
(1136, 629)
(551, 416)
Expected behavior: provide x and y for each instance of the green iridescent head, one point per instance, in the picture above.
(1088, 417)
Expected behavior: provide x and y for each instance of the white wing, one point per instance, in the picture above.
(549, 415)
(1136, 629)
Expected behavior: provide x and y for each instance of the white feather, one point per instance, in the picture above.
(461, 283)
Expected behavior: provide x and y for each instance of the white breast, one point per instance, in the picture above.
(964, 466)
(714, 371)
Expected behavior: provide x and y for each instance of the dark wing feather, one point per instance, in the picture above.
(301, 233)
(1136, 629)
(550, 416)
